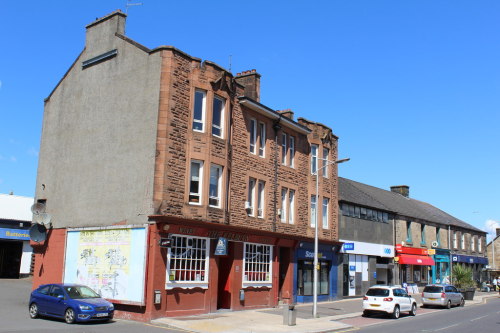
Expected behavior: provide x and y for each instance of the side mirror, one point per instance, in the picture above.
(60, 296)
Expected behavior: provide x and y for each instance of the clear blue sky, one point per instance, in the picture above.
(410, 87)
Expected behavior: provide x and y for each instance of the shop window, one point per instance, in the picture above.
(305, 278)
(188, 261)
(257, 265)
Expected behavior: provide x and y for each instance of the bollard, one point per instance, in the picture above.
(289, 315)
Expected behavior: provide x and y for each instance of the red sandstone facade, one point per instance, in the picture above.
(223, 182)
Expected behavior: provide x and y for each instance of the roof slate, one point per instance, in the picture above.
(370, 196)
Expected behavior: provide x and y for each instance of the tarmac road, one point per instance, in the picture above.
(14, 317)
(475, 318)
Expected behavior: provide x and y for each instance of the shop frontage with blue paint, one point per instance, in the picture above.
(304, 270)
(441, 270)
(478, 264)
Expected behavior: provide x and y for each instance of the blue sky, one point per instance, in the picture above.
(410, 87)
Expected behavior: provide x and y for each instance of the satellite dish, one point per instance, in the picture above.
(44, 218)
(38, 232)
(38, 208)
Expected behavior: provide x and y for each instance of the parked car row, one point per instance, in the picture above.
(392, 300)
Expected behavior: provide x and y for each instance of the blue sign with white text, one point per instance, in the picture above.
(348, 246)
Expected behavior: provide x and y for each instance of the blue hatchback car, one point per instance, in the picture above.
(72, 302)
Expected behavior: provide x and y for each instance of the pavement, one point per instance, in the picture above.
(271, 320)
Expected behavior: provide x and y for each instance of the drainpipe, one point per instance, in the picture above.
(276, 128)
(449, 247)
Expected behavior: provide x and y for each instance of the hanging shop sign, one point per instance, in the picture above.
(221, 248)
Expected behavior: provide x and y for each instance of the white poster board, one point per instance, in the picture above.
(111, 260)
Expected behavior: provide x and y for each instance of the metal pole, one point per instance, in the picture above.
(315, 262)
(315, 272)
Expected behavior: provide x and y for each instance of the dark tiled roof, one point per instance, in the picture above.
(370, 196)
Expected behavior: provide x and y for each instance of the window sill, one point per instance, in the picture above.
(186, 285)
(256, 285)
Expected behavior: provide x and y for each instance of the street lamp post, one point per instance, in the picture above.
(326, 163)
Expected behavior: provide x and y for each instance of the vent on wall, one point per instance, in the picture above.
(100, 58)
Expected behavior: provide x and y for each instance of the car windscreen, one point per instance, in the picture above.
(80, 292)
(377, 292)
(433, 289)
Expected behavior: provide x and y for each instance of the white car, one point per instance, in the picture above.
(391, 300)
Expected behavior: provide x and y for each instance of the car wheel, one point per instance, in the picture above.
(413, 311)
(365, 314)
(69, 316)
(462, 302)
(448, 305)
(396, 313)
(424, 306)
(33, 311)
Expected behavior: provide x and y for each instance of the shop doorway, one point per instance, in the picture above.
(10, 259)
(284, 262)
(345, 280)
(224, 285)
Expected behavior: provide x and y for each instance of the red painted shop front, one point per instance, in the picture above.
(256, 271)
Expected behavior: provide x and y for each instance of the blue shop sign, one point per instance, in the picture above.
(18, 234)
(469, 259)
(221, 248)
(348, 246)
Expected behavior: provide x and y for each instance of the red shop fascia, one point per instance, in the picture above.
(225, 286)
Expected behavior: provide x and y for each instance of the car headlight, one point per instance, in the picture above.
(111, 307)
(85, 307)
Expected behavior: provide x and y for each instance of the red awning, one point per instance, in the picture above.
(409, 259)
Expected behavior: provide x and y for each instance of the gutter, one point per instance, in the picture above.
(265, 111)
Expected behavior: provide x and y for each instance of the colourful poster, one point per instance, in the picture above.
(111, 261)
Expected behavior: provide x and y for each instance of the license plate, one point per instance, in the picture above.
(375, 304)
(101, 315)
(432, 299)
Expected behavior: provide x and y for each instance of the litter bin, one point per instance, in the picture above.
(289, 315)
(469, 294)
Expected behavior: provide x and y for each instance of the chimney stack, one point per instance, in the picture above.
(498, 232)
(251, 81)
(286, 113)
(404, 190)
(100, 35)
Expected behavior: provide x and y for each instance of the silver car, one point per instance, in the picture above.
(444, 295)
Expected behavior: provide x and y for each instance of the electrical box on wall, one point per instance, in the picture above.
(157, 296)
